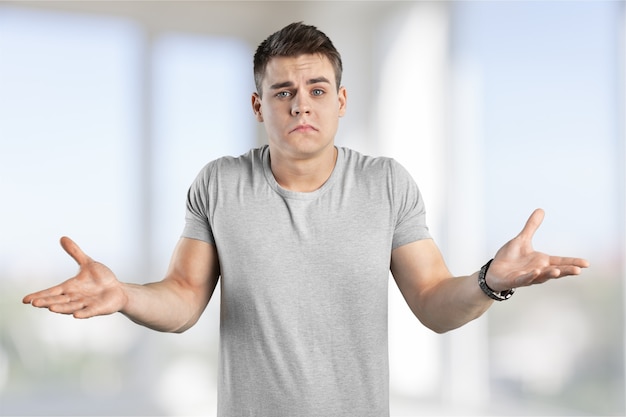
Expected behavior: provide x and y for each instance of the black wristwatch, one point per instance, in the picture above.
(482, 282)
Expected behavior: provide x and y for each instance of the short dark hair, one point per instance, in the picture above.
(294, 40)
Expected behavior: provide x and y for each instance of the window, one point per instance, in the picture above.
(102, 130)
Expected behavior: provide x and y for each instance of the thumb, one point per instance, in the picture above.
(74, 251)
(532, 224)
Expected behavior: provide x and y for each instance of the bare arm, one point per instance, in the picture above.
(172, 305)
(176, 303)
(443, 302)
(439, 300)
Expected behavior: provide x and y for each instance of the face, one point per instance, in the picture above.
(300, 106)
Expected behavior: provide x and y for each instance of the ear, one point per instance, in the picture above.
(343, 101)
(256, 107)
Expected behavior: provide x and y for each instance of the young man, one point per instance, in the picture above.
(303, 235)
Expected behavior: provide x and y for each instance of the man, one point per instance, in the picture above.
(303, 235)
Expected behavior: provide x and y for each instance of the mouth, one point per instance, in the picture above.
(303, 128)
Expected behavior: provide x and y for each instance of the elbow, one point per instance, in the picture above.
(445, 326)
(439, 328)
(186, 326)
(436, 326)
(174, 327)
(180, 330)
(437, 323)
(176, 330)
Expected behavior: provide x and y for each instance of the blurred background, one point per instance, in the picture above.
(109, 109)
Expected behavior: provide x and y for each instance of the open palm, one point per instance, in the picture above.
(93, 291)
(517, 264)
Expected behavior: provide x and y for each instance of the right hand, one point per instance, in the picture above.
(94, 291)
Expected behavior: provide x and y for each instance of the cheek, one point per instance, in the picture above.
(274, 121)
(333, 114)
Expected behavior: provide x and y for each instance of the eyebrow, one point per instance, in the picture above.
(286, 84)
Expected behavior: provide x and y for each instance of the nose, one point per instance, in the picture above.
(300, 105)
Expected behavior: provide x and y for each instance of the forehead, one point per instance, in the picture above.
(282, 68)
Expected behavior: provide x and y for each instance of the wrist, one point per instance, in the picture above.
(127, 294)
(495, 295)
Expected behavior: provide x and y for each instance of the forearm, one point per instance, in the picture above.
(443, 302)
(451, 303)
(438, 299)
(164, 306)
(175, 303)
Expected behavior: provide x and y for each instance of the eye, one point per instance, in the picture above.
(283, 94)
(317, 92)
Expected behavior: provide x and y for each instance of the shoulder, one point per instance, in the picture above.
(375, 165)
(380, 172)
(227, 166)
(250, 158)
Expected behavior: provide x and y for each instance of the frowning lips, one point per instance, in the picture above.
(302, 128)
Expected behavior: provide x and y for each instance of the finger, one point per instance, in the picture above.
(88, 312)
(67, 308)
(74, 251)
(50, 300)
(50, 292)
(536, 276)
(524, 279)
(532, 224)
(567, 261)
(567, 270)
(546, 274)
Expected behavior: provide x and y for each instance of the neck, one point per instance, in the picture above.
(303, 175)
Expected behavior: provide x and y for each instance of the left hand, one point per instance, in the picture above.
(94, 291)
(517, 264)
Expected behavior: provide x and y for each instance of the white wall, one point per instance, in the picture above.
(424, 88)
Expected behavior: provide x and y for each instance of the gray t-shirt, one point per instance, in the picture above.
(304, 279)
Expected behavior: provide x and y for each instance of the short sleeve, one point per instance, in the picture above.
(409, 208)
(197, 222)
